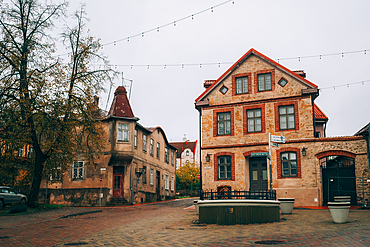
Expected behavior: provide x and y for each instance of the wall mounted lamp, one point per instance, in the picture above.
(304, 151)
(208, 157)
(140, 172)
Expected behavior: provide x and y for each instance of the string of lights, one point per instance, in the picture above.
(157, 29)
(345, 85)
(174, 23)
(219, 64)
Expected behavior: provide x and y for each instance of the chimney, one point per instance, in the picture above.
(301, 73)
(208, 83)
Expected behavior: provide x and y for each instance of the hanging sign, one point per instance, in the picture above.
(262, 154)
(278, 139)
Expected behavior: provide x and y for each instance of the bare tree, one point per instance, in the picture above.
(45, 104)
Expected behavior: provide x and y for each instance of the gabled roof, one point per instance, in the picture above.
(152, 129)
(121, 106)
(181, 146)
(319, 114)
(364, 131)
(264, 58)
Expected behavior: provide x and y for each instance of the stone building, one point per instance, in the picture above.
(186, 152)
(137, 165)
(256, 97)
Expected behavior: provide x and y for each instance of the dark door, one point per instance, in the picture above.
(117, 181)
(338, 178)
(158, 186)
(258, 174)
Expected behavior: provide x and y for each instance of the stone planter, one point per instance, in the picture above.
(339, 211)
(238, 211)
(342, 198)
(286, 205)
(196, 205)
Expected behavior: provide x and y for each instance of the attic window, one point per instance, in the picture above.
(283, 82)
(223, 89)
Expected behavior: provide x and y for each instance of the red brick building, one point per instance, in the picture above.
(257, 96)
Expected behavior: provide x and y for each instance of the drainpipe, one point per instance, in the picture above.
(200, 150)
(131, 188)
(367, 144)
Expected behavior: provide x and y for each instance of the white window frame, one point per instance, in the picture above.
(241, 85)
(264, 82)
(151, 179)
(173, 158)
(20, 152)
(158, 150)
(135, 138)
(166, 181)
(172, 183)
(123, 132)
(152, 147)
(145, 138)
(166, 155)
(78, 167)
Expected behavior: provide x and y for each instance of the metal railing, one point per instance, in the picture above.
(359, 192)
(252, 194)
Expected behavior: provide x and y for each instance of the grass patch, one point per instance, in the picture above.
(40, 208)
(181, 197)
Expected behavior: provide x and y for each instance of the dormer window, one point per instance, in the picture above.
(264, 82)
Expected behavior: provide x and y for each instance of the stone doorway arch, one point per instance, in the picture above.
(338, 175)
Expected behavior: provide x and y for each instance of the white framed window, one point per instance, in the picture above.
(144, 142)
(20, 152)
(286, 117)
(135, 139)
(173, 158)
(56, 173)
(172, 183)
(78, 170)
(166, 182)
(166, 155)
(151, 147)
(264, 82)
(144, 175)
(158, 149)
(224, 123)
(187, 152)
(123, 132)
(151, 179)
(254, 120)
(241, 85)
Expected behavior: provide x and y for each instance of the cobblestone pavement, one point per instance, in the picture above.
(171, 224)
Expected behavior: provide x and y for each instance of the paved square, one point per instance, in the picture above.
(171, 224)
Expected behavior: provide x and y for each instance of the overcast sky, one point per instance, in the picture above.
(165, 96)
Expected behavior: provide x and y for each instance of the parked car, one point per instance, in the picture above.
(7, 196)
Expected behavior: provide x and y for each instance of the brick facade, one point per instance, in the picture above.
(307, 186)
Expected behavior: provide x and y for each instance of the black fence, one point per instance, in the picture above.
(254, 194)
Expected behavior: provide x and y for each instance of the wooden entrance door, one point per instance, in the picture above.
(258, 174)
(117, 181)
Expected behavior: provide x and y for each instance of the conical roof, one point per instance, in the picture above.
(120, 106)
